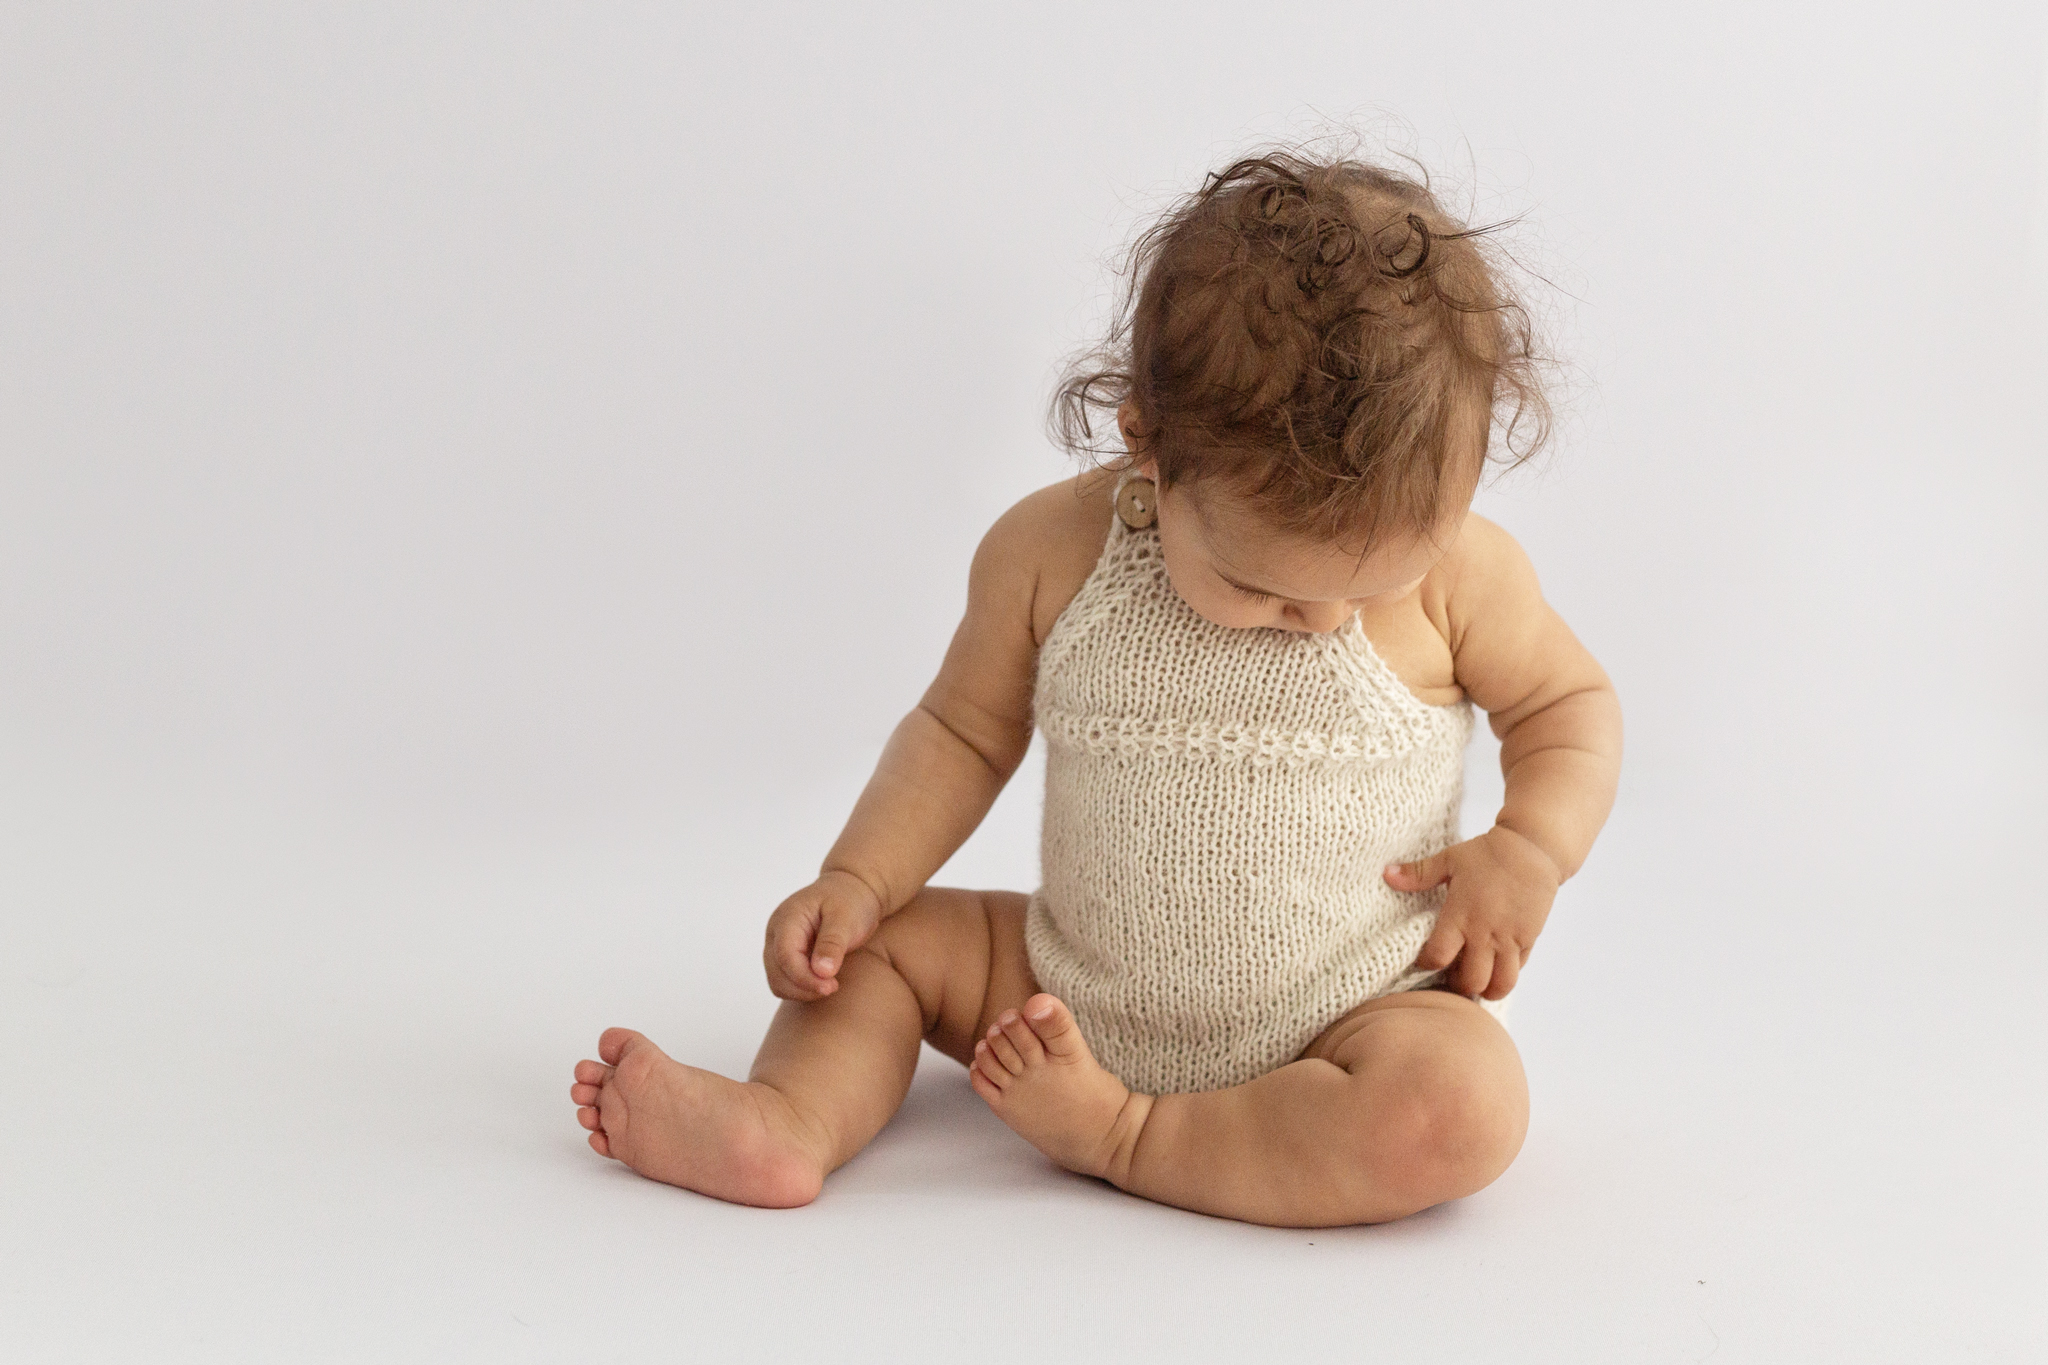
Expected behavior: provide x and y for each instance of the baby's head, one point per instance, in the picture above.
(1309, 364)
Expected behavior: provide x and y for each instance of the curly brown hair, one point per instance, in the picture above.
(1323, 337)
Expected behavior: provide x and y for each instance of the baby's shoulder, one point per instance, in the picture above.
(1483, 549)
(1485, 571)
(1052, 539)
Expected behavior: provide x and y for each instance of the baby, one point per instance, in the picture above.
(1261, 973)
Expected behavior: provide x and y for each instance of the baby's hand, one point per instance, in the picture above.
(1502, 885)
(810, 934)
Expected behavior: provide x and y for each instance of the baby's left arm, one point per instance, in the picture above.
(1559, 724)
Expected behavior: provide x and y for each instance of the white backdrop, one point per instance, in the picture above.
(478, 483)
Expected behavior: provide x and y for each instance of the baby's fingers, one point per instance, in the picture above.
(1474, 969)
(1507, 968)
(1442, 948)
(1420, 876)
(789, 966)
(836, 936)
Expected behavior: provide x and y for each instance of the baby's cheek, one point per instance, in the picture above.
(1226, 611)
(1221, 606)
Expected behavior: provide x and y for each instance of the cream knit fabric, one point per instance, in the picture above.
(1219, 805)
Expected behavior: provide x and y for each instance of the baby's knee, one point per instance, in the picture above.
(1439, 1120)
(948, 945)
(939, 925)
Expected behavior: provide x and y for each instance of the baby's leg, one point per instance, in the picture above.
(829, 1074)
(1405, 1102)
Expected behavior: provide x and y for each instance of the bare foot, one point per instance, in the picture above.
(1037, 1073)
(733, 1140)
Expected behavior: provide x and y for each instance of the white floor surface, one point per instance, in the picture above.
(335, 1127)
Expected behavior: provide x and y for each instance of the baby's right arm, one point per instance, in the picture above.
(940, 771)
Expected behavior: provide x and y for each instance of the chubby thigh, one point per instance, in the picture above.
(1465, 1036)
(1438, 1063)
(962, 955)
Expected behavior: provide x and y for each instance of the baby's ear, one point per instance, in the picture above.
(1131, 424)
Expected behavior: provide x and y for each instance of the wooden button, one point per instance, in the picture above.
(1137, 504)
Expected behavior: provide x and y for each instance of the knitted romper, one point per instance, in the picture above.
(1219, 805)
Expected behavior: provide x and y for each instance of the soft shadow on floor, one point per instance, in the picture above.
(944, 1141)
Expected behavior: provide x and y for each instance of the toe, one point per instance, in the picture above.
(1054, 1024)
(592, 1073)
(1022, 1038)
(587, 1116)
(983, 1086)
(992, 1070)
(998, 1045)
(584, 1094)
(599, 1145)
(613, 1043)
